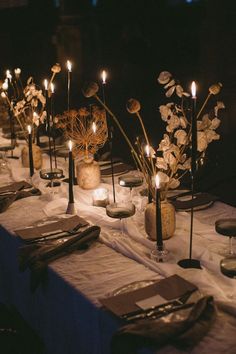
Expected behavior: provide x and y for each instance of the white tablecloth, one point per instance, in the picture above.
(102, 269)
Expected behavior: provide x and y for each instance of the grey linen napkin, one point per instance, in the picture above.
(37, 256)
(14, 191)
(157, 333)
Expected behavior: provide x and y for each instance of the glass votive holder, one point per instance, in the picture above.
(159, 254)
(100, 197)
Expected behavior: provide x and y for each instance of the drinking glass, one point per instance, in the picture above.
(120, 210)
(52, 175)
(130, 181)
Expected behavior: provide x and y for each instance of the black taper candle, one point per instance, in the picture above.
(53, 125)
(48, 122)
(194, 130)
(71, 182)
(31, 161)
(69, 67)
(158, 217)
(110, 136)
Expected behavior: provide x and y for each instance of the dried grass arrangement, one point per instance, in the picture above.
(87, 128)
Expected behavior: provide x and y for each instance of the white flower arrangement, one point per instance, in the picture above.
(172, 159)
(30, 109)
(175, 147)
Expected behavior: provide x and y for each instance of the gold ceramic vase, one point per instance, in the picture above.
(37, 156)
(88, 173)
(167, 220)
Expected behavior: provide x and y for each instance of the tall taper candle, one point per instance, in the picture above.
(31, 161)
(69, 68)
(194, 129)
(158, 216)
(48, 121)
(71, 182)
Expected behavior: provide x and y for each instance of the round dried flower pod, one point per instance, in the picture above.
(133, 106)
(90, 89)
(83, 112)
(164, 77)
(56, 68)
(215, 89)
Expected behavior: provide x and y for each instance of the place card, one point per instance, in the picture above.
(169, 289)
(152, 301)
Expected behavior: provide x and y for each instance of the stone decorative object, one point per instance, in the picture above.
(37, 156)
(167, 217)
(88, 174)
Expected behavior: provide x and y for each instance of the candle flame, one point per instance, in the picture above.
(5, 85)
(157, 180)
(147, 150)
(52, 87)
(193, 89)
(46, 84)
(94, 127)
(29, 129)
(69, 65)
(17, 71)
(104, 76)
(70, 144)
(8, 75)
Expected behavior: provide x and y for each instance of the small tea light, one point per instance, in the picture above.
(101, 197)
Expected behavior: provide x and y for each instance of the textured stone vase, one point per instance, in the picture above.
(167, 218)
(37, 156)
(88, 174)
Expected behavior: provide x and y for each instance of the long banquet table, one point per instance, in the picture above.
(66, 312)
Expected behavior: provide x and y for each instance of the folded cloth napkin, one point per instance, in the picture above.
(43, 232)
(183, 334)
(7, 199)
(15, 186)
(37, 256)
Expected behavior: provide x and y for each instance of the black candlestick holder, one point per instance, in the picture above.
(190, 262)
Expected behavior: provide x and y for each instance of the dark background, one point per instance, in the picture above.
(134, 40)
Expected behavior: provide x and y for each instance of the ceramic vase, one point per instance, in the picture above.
(37, 156)
(167, 218)
(88, 174)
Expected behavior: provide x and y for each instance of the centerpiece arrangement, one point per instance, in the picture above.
(27, 108)
(171, 159)
(87, 128)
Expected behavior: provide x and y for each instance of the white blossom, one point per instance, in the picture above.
(181, 137)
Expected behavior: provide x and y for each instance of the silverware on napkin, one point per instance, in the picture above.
(161, 310)
(56, 234)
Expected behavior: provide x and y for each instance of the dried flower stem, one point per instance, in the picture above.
(206, 100)
(146, 137)
(121, 129)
